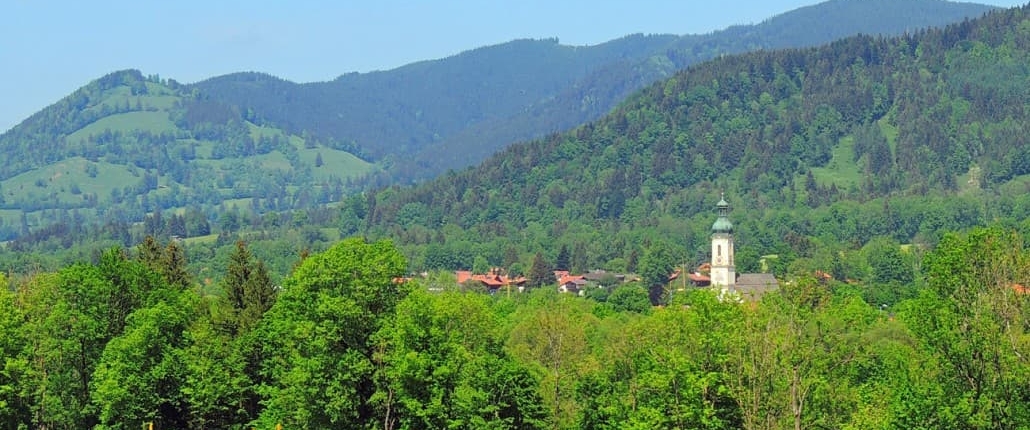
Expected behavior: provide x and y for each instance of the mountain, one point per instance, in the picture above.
(432, 116)
(862, 138)
(129, 144)
(402, 111)
(126, 144)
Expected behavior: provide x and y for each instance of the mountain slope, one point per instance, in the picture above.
(403, 110)
(437, 115)
(598, 93)
(817, 131)
(126, 144)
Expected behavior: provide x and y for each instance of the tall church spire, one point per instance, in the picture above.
(723, 272)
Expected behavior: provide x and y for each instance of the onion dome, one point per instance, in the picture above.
(722, 224)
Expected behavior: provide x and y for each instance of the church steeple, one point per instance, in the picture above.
(722, 224)
(723, 272)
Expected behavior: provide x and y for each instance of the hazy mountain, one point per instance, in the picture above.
(431, 116)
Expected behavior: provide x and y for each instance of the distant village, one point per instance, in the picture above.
(719, 274)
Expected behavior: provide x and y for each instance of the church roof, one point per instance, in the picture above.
(752, 286)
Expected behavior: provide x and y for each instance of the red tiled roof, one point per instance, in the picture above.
(492, 280)
(576, 279)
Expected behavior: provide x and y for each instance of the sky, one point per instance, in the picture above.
(50, 48)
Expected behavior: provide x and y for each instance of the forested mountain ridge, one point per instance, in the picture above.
(404, 110)
(125, 145)
(450, 113)
(413, 105)
(907, 136)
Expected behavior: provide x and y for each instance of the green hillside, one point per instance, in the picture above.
(866, 137)
(150, 143)
(131, 144)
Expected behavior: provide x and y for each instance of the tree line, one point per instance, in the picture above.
(131, 338)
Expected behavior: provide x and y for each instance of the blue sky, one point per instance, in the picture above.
(50, 47)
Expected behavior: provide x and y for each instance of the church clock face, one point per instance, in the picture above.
(718, 259)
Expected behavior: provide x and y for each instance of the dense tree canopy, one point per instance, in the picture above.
(347, 342)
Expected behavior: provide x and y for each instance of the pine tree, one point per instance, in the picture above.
(173, 266)
(259, 295)
(177, 225)
(248, 288)
(540, 273)
(236, 276)
(148, 252)
(511, 257)
(631, 262)
(562, 262)
(579, 262)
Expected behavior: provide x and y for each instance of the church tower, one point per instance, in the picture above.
(723, 272)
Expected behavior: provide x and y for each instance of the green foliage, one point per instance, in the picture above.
(345, 345)
(220, 379)
(631, 297)
(552, 336)
(14, 407)
(534, 85)
(656, 266)
(892, 272)
(126, 136)
(173, 266)
(972, 318)
(139, 375)
(668, 378)
(70, 318)
(123, 340)
(444, 363)
(318, 336)
(247, 288)
(540, 273)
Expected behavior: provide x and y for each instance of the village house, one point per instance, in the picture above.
(719, 274)
(571, 283)
(601, 276)
(492, 281)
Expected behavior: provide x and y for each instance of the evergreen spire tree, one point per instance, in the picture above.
(236, 276)
(148, 252)
(173, 266)
(540, 272)
(248, 288)
(259, 295)
(562, 262)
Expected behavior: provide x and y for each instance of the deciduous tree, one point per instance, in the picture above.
(319, 356)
